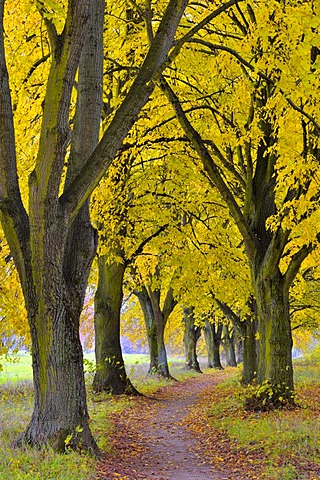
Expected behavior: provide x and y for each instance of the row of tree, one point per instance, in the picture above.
(195, 129)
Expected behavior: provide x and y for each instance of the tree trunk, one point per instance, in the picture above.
(110, 375)
(54, 273)
(146, 307)
(275, 360)
(191, 337)
(249, 351)
(62, 252)
(160, 318)
(213, 341)
(229, 346)
(60, 415)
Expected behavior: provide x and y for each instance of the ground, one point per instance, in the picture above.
(165, 437)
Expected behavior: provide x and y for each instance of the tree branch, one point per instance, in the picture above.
(140, 248)
(13, 216)
(179, 44)
(295, 263)
(210, 167)
(126, 115)
(245, 63)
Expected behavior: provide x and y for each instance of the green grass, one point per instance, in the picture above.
(289, 439)
(286, 438)
(16, 402)
(17, 368)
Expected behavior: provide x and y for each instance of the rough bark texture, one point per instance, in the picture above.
(275, 362)
(62, 251)
(190, 339)
(213, 335)
(53, 273)
(110, 375)
(151, 330)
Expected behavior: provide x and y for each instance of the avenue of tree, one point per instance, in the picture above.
(178, 143)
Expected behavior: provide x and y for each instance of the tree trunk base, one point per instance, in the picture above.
(268, 397)
(115, 388)
(61, 440)
(195, 368)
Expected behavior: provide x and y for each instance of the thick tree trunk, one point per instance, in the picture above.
(213, 341)
(62, 250)
(53, 272)
(249, 351)
(110, 375)
(190, 339)
(60, 415)
(275, 360)
(229, 346)
(151, 330)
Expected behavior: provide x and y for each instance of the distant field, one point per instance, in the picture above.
(18, 367)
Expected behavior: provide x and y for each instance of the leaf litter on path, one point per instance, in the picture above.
(166, 437)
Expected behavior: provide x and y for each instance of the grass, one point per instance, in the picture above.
(16, 402)
(289, 440)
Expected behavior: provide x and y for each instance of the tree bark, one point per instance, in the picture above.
(213, 335)
(110, 374)
(249, 351)
(151, 330)
(160, 317)
(229, 336)
(190, 339)
(275, 362)
(54, 273)
(62, 251)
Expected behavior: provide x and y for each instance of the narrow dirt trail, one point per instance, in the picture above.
(152, 439)
(171, 450)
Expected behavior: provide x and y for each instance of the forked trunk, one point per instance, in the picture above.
(191, 337)
(110, 373)
(60, 416)
(212, 336)
(151, 330)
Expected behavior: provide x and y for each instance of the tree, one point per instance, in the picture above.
(213, 334)
(192, 334)
(247, 155)
(53, 244)
(151, 331)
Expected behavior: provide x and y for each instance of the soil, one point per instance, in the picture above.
(153, 439)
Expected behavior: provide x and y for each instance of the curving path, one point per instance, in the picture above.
(152, 439)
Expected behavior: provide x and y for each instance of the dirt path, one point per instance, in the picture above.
(153, 441)
(171, 447)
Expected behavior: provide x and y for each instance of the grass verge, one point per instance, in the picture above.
(16, 402)
(287, 442)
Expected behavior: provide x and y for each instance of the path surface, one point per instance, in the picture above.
(170, 445)
(154, 442)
